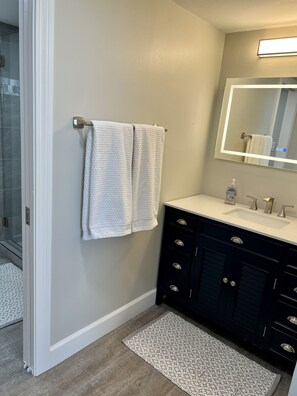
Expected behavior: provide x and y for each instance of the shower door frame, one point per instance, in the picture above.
(36, 19)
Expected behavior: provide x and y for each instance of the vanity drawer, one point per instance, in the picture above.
(286, 316)
(181, 219)
(177, 266)
(283, 344)
(237, 237)
(175, 288)
(288, 287)
(291, 262)
(180, 242)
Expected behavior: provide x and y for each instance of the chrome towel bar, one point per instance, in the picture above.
(245, 135)
(79, 122)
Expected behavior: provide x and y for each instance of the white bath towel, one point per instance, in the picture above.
(258, 144)
(107, 195)
(146, 175)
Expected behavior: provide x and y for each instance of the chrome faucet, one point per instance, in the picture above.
(269, 205)
(254, 205)
(282, 212)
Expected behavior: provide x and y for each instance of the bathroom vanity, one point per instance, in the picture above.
(235, 267)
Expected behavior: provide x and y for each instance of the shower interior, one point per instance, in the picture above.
(10, 146)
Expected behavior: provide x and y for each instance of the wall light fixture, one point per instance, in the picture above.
(277, 47)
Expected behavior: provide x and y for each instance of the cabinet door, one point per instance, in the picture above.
(209, 279)
(233, 288)
(251, 288)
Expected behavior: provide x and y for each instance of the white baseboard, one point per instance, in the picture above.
(82, 338)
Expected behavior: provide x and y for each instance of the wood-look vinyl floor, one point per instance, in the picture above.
(106, 367)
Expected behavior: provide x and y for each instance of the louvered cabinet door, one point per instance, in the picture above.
(251, 288)
(209, 279)
(233, 288)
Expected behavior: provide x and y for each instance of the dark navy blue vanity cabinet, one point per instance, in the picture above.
(241, 281)
(177, 256)
(284, 328)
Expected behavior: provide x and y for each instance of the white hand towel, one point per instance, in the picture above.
(258, 144)
(146, 175)
(107, 195)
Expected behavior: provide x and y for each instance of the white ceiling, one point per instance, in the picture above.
(9, 12)
(241, 15)
(226, 15)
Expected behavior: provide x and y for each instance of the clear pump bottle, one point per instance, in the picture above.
(231, 193)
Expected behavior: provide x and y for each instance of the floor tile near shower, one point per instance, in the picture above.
(11, 294)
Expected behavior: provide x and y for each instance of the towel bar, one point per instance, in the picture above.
(245, 135)
(80, 122)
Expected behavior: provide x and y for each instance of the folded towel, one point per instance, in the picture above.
(146, 175)
(258, 144)
(107, 194)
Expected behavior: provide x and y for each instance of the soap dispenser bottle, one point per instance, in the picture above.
(231, 193)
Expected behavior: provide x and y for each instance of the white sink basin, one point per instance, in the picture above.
(259, 218)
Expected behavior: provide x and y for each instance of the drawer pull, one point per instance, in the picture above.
(178, 242)
(176, 266)
(233, 284)
(174, 288)
(288, 348)
(182, 222)
(295, 289)
(225, 280)
(292, 319)
(237, 240)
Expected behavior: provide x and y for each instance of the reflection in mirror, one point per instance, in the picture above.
(258, 122)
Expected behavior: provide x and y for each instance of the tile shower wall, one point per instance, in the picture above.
(10, 145)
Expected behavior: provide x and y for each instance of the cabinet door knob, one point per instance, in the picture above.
(295, 289)
(225, 280)
(178, 242)
(292, 319)
(233, 284)
(174, 288)
(182, 222)
(176, 266)
(237, 240)
(287, 348)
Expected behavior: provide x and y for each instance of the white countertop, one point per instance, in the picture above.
(215, 208)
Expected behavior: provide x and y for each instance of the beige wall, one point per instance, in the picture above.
(146, 61)
(240, 60)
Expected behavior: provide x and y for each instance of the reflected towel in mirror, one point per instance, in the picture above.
(258, 144)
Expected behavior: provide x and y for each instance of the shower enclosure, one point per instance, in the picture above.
(10, 143)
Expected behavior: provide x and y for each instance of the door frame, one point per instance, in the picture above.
(36, 19)
(36, 81)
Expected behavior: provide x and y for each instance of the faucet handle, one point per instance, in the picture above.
(254, 205)
(282, 212)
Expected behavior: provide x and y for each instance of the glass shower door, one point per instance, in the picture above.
(10, 144)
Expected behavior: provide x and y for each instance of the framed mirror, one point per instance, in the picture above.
(258, 123)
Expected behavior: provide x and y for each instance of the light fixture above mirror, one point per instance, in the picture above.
(277, 47)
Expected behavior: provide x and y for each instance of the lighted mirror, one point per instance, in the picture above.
(258, 122)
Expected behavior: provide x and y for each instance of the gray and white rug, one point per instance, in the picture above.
(198, 363)
(11, 294)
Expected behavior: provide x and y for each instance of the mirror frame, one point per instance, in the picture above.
(244, 83)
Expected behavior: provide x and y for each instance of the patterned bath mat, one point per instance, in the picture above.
(11, 294)
(198, 363)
